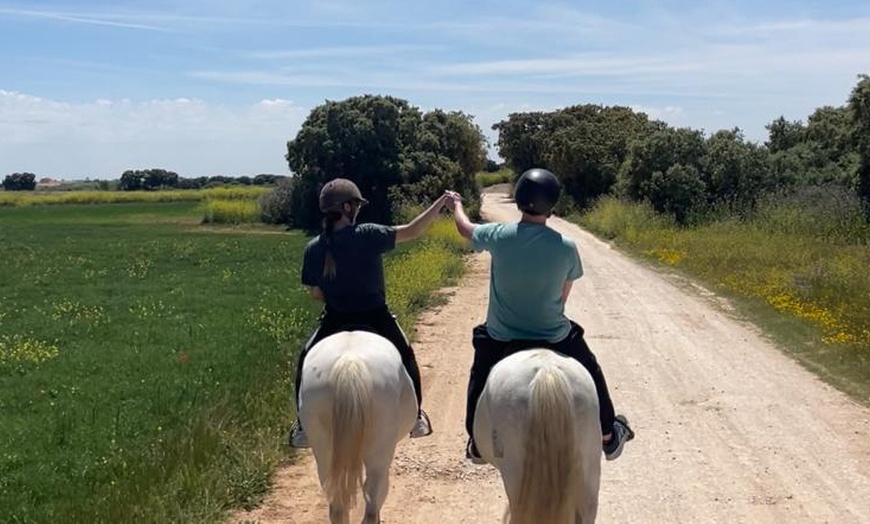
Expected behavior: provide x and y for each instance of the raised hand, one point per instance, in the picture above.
(453, 198)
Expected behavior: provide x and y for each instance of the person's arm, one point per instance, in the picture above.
(316, 293)
(463, 224)
(566, 290)
(418, 226)
(574, 273)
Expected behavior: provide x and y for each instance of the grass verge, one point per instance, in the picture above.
(811, 293)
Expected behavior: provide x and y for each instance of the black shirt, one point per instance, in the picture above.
(359, 268)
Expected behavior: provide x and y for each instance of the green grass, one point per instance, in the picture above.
(502, 176)
(147, 360)
(231, 211)
(808, 287)
(34, 198)
(169, 357)
(412, 276)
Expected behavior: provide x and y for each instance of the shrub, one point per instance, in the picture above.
(275, 205)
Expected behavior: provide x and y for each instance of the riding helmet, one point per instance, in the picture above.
(537, 192)
(338, 191)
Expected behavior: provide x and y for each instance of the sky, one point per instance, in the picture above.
(89, 89)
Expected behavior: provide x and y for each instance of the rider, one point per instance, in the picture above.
(343, 268)
(532, 272)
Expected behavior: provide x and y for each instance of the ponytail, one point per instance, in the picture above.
(326, 237)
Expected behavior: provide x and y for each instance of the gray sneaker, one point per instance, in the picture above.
(298, 439)
(422, 428)
(472, 454)
(622, 433)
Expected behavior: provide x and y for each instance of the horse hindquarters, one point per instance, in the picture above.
(537, 422)
(356, 403)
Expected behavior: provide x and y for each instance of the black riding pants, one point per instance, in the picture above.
(488, 352)
(379, 321)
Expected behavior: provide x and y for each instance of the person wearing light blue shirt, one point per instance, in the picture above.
(533, 270)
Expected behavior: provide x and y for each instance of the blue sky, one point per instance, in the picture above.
(92, 88)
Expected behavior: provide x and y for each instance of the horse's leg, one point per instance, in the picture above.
(338, 515)
(587, 508)
(375, 490)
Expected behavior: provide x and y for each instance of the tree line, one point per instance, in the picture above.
(598, 150)
(149, 180)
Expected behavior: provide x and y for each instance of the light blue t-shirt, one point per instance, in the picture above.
(530, 264)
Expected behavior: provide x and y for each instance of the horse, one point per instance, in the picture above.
(356, 403)
(537, 422)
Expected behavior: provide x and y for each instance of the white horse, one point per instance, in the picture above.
(537, 423)
(357, 402)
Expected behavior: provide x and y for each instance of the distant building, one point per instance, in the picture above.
(48, 182)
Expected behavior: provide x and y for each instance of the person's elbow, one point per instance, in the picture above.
(466, 231)
(465, 228)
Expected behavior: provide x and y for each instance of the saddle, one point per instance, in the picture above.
(515, 346)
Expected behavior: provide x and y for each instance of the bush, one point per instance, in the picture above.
(20, 182)
(275, 205)
(829, 213)
(491, 178)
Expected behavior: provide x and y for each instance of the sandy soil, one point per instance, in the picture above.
(728, 429)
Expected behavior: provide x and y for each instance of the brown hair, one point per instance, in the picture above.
(326, 237)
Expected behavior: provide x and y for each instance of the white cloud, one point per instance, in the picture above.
(190, 136)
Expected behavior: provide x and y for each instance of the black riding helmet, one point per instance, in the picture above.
(537, 192)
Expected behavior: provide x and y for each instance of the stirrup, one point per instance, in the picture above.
(297, 438)
(472, 454)
(422, 427)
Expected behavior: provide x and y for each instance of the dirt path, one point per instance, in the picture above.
(729, 429)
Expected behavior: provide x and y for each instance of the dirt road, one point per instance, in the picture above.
(728, 429)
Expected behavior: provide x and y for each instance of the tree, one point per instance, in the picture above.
(587, 146)
(784, 134)
(736, 172)
(150, 179)
(19, 182)
(821, 152)
(520, 140)
(657, 153)
(679, 191)
(859, 102)
(389, 148)
(584, 145)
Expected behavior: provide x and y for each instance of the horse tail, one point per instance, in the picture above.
(350, 427)
(550, 479)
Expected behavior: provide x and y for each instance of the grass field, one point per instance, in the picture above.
(502, 176)
(31, 198)
(146, 360)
